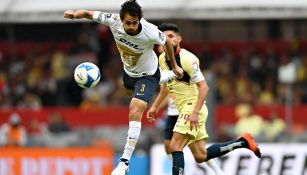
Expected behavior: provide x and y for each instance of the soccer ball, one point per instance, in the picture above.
(87, 75)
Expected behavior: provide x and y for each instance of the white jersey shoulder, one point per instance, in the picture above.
(136, 52)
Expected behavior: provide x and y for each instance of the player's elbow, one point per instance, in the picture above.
(203, 86)
(206, 88)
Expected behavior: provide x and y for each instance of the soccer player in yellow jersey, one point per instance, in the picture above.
(189, 95)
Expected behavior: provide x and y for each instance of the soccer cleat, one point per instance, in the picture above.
(122, 168)
(251, 144)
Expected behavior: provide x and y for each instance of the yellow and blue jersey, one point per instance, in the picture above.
(183, 91)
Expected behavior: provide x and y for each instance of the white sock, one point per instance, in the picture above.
(132, 138)
(166, 76)
(213, 165)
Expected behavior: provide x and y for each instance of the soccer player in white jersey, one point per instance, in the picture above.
(135, 39)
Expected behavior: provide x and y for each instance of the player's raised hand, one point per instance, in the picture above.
(69, 14)
(178, 71)
(79, 14)
(151, 114)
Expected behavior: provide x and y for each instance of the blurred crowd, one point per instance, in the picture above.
(42, 77)
(259, 78)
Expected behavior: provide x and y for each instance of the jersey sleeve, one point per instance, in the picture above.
(156, 35)
(159, 37)
(108, 19)
(166, 74)
(190, 64)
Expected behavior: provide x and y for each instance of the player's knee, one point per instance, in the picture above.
(167, 149)
(174, 147)
(135, 113)
(201, 157)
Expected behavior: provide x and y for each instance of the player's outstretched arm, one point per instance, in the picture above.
(79, 14)
(202, 94)
(203, 89)
(156, 105)
(170, 53)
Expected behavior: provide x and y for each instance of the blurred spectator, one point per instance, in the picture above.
(287, 70)
(36, 128)
(105, 43)
(57, 124)
(46, 87)
(256, 67)
(92, 102)
(4, 101)
(266, 96)
(2, 81)
(120, 96)
(17, 87)
(245, 88)
(297, 94)
(13, 134)
(58, 62)
(271, 62)
(302, 80)
(88, 37)
(4, 91)
(205, 57)
(30, 101)
(274, 127)
(302, 70)
(248, 122)
(99, 95)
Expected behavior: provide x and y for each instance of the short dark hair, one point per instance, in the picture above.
(132, 8)
(168, 26)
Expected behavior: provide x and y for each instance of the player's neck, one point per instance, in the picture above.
(138, 30)
(177, 50)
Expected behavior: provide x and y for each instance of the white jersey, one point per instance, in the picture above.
(172, 108)
(136, 52)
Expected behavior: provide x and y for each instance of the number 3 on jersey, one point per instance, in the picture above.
(142, 87)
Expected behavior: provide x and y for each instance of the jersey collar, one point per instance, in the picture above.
(177, 50)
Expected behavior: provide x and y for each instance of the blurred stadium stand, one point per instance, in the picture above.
(42, 11)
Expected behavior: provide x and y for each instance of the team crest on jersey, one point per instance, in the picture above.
(108, 15)
(194, 77)
(195, 67)
(99, 17)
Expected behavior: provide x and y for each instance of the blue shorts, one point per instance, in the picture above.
(143, 87)
(170, 124)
